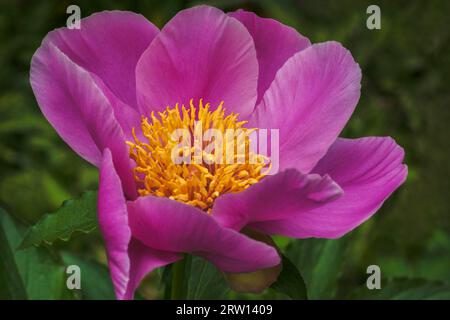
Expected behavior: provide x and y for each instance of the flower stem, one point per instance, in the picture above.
(178, 270)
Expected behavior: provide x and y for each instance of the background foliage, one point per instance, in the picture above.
(405, 94)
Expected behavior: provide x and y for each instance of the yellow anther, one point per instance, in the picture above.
(197, 183)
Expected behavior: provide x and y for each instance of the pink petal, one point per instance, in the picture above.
(143, 260)
(109, 45)
(113, 222)
(369, 170)
(275, 43)
(129, 261)
(310, 101)
(256, 281)
(286, 196)
(200, 53)
(170, 225)
(78, 110)
(126, 116)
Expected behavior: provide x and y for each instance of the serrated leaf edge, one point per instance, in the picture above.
(23, 245)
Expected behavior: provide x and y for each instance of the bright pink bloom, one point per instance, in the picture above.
(94, 84)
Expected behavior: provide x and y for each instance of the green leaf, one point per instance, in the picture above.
(29, 205)
(165, 274)
(406, 289)
(205, 281)
(95, 280)
(11, 285)
(319, 261)
(34, 273)
(290, 282)
(74, 215)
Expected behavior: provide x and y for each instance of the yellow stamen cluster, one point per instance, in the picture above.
(199, 182)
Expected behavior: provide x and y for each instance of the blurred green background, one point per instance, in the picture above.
(405, 94)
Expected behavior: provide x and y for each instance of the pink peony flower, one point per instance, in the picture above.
(99, 85)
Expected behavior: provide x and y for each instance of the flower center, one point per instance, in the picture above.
(219, 160)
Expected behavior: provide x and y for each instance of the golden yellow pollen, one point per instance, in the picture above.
(206, 176)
